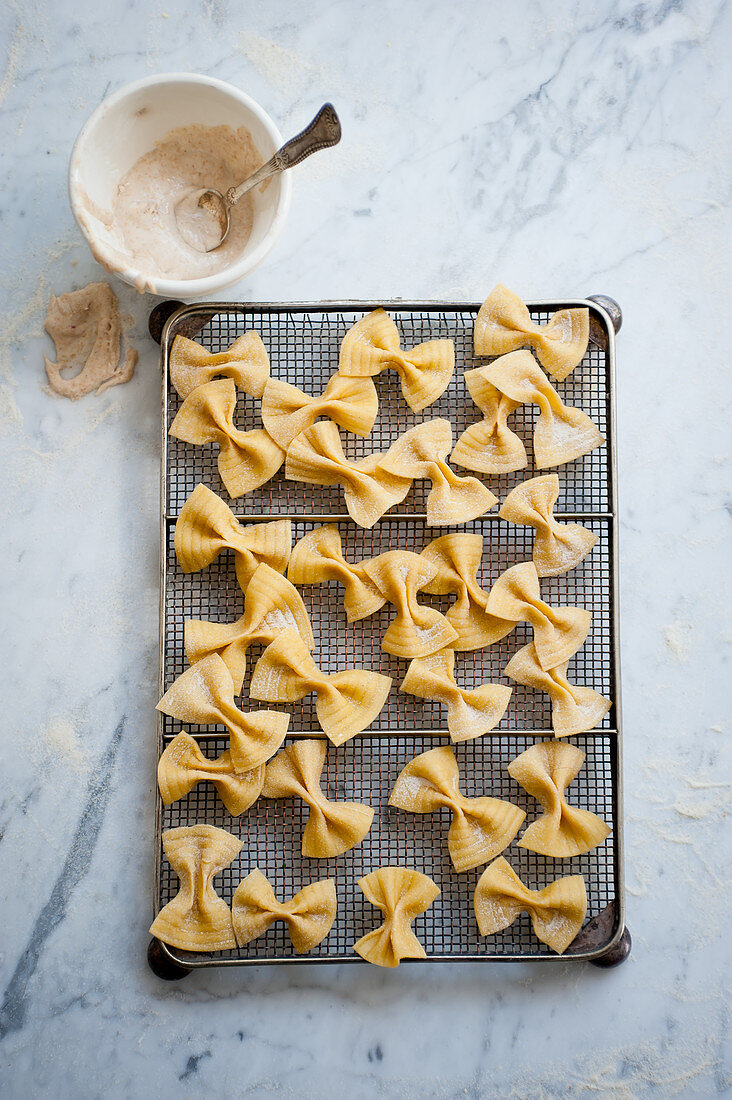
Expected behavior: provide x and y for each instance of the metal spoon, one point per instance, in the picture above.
(323, 131)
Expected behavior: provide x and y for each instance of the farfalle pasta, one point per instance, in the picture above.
(206, 526)
(316, 457)
(421, 452)
(346, 702)
(545, 770)
(246, 459)
(457, 558)
(401, 894)
(271, 604)
(318, 558)
(373, 345)
(417, 630)
(246, 362)
(470, 714)
(309, 915)
(204, 694)
(183, 765)
(490, 447)
(197, 919)
(332, 827)
(481, 827)
(574, 709)
(504, 324)
(558, 631)
(561, 433)
(556, 912)
(287, 411)
(558, 547)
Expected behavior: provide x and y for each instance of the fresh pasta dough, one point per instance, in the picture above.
(481, 827)
(318, 558)
(316, 457)
(574, 709)
(346, 702)
(271, 604)
(287, 411)
(558, 631)
(332, 827)
(373, 345)
(558, 547)
(457, 558)
(183, 765)
(561, 433)
(246, 459)
(401, 894)
(245, 361)
(204, 694)
(206, 526)
(309, 915)
(504, 324)
(421, 452)
(490, 447)
(544, 771)
(470, 714)
(556, 912)
(417, 630)
(197, 919)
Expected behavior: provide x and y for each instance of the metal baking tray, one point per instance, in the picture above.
(303, 342)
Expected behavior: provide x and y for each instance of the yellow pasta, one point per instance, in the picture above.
(401, 894)
(417, 630)
(504, 324)
(332, 827)
(490, 447)
(556, 912)
(457, 558)
(558, 547)
(470, 714)
(481, 827)
(287, 411)
(245, 361)
(197, 919)
(183, 765)
(545, 770)
(309, 914)
(373, 345)
(318, 558)
(574, 709)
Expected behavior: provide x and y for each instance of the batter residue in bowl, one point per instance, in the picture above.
(85, 327)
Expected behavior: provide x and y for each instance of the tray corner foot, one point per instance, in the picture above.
(162, 965)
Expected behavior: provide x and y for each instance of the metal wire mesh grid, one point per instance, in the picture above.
(365, 771)
(303, 350)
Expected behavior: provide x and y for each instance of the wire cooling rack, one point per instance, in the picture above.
(303, 342)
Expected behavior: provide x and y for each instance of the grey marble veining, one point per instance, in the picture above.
(564, 149)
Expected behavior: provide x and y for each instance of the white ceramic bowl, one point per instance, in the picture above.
(128, 124)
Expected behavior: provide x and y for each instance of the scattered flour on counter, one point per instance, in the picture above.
(62, 745)
(677, 637)
(15, 53)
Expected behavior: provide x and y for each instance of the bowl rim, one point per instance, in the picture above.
(209, 284)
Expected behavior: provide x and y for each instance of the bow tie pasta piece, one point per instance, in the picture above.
(287, 411)
(421, 453)
(558, 631)
(246, 362)
(183, 765)
(558, 547)
(347, 702)
(401, 894)
(197, 919)
(574, 709)
(470, 714)
(206, 526)
(481, 827)
(490, 447)
(246, 459)
(271, 604)
(316, 457)
(504, 324)
(457, 558)
(556, 912)
(318, 558)
(373, 345)
(417, 630)
(332, 827)
(561, 433)
(544, 771)
(309, 914)
(204, 694)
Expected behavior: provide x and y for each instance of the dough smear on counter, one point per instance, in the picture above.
(86, 329)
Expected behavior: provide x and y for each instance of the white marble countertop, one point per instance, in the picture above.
(565, 149)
